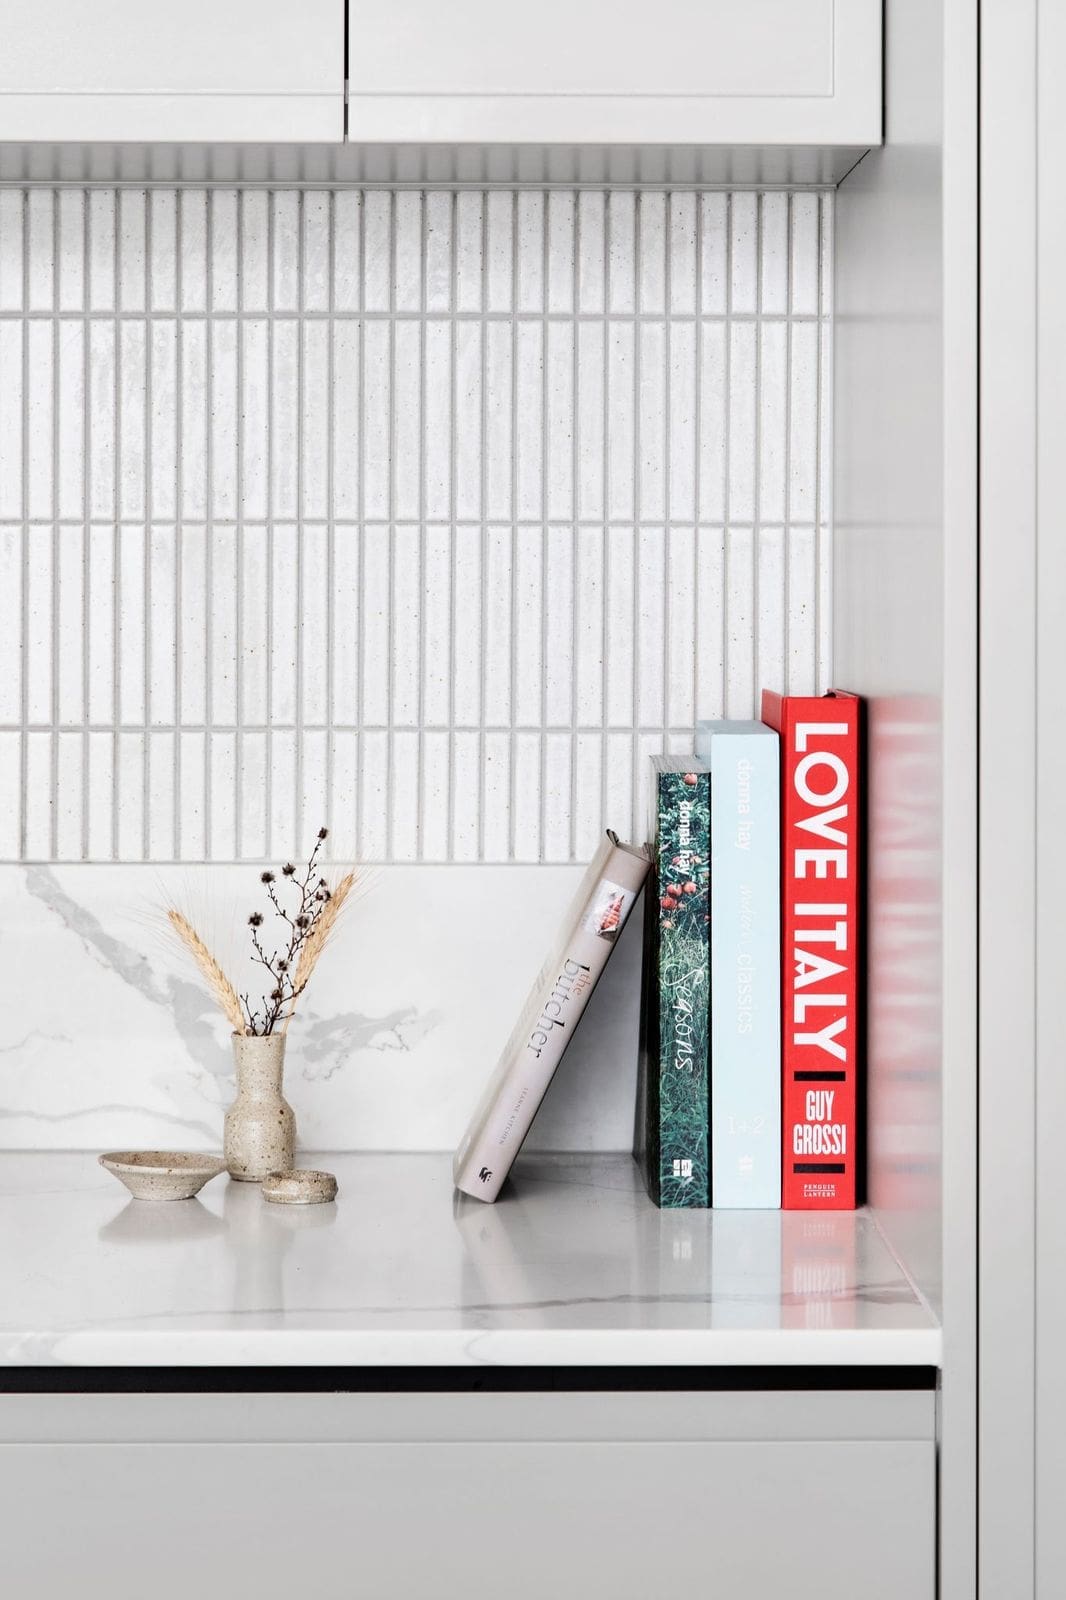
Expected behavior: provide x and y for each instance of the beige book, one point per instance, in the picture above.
(549, 1018)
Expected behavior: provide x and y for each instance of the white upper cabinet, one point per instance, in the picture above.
(201, 71)
(737, 72)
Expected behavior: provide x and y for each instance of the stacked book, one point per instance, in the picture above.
(748, 1072)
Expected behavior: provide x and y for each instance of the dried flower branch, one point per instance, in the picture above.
(212, 973)
(308, 915)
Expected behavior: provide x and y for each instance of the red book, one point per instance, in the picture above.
(820, 804)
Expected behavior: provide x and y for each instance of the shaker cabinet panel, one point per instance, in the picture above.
(762, 72)
(453, 1519)
(207, 70)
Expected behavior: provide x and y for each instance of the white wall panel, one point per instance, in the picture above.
(425, 515)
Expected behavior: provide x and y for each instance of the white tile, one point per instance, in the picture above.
(589, 821)
(710, 638)
(529, 612)
(101, 797)
(619, 784)
(619, 606)
(284, 419)
(312, 801)
(499, 419)
(773, 420)
(622, 251)
(377, 234)
(132, 249)
(682, 224)
(130, 797)
(468, 420)
(498, 603)
(347, 249)
(162, 631)
(191, 791)
(40, 415)
(496, 792)
(132, 663)
(827, 254)
(531, 240)
(406, 625)
(12, 252)
(285, 265)
(407, 422)
(773, 255)
(161, 797)
(562, 211)
(163, 361)
(343, 797)
(344, 656)
(71, 399)
(377, 433)
(500, 263)
(407, 291)
(469, 248)
(103, 248)
(222, 624)
(681, 632)
(72, 223)
(192, 624)
(253, 839)
(285, 627)
(11, 790)
(70, 626)
(11, 416)
(11, 624)
(468, 667)
(224, 431)
(439, 207)
(681, 450)
(222, 795)
(529, 409)
(192, 460)
(558, 611)
(314, 628)
(651, 626)
(37, 797)
(132, 411)
(41, 250)
(713, 255)
(801, 664)
(743, 258)
(223, 264)
(192, 255)
(557, 807)
(436, 643)
(621, 419)
(434, 799)
(742, 407)
(590, 626)
(805, 255)
(590, 442)
(373, 798)
(317, 244)
(740, 634)
(467, 769)
(652, 390)
(314, 422)
(346, 419)
(254, 579)
(40, 631)
(437, 419)
(528, 790)
(651, 252)
(281, 786)
(591, 251)
(803, 423)
(770, 624)
(560, 443)
(376, 627)
(404, 796)
(254, 417)
(163, 252)
(102, 612)
(255, 250)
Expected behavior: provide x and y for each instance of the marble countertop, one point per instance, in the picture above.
(573, 1266)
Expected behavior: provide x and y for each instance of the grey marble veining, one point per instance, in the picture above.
(572, 1266)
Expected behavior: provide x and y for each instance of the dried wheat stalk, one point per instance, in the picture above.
(213, 975)
(325, 924)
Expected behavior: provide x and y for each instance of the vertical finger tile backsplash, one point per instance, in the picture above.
(424, 514)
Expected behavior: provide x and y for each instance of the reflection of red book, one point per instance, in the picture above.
(820, 798)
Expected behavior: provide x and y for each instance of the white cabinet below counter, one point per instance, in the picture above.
(688, 72)
(206, 71)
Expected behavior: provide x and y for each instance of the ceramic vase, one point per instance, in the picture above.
(260, 1129)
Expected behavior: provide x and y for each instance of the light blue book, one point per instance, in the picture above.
(745, 1030)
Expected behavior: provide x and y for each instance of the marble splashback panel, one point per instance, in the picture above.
(107, 1038)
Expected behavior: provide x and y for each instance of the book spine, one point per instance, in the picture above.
(820, 935)
(683, 987)
(551, 1018)
(745, 971)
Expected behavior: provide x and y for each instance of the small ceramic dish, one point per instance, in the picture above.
(300, 1188)
(162, 1174)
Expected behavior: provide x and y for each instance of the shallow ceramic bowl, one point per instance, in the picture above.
(300, 1187)
(162, 1174)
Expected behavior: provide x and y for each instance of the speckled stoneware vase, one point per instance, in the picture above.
(260, 1130)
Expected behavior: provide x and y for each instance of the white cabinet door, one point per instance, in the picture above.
(205, 70)
(742, 72)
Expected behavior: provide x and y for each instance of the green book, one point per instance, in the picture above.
(673, 1126)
